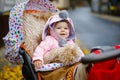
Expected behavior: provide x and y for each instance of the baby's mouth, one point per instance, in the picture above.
(63, 34)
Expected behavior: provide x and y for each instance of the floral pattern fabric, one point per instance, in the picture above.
(14, 38)
(50, 67)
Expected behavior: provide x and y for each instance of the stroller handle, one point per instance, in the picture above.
(91, 58)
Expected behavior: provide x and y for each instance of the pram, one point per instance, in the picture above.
(28, 70)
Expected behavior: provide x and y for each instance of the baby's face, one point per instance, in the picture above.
(62, 29)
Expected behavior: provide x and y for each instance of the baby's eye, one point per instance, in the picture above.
(58, 28)
(66, 28)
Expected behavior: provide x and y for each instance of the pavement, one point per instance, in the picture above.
(108, 17)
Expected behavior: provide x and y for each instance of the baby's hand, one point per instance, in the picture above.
(37, 64)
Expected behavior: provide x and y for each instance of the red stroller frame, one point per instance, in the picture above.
(106, 68)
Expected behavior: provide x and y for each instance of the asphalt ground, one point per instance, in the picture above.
(108, 17)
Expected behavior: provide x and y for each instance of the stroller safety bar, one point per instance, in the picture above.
(91, 58)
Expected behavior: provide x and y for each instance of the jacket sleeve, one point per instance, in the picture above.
(42, 49)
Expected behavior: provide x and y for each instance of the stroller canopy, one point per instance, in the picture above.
(15, 37)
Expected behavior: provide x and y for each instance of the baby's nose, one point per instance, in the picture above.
(62, 29)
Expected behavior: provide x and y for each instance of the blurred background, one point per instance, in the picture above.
(97, 23)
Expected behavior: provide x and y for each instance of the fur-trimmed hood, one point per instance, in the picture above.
(62, 15)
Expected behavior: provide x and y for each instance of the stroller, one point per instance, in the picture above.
(18, 51)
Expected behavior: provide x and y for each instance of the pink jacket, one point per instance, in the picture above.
(45, 46)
